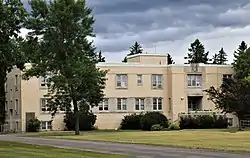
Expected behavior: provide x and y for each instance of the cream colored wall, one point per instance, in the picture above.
(12, 93)
(148, 59)
(30, 96)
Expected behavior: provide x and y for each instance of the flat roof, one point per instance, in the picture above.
(148, 54)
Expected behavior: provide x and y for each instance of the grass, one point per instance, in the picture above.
(20, 150)
(195, 139)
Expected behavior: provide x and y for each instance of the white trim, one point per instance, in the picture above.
(150, 54)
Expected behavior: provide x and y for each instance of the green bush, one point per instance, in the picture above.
(156, 127)
(203, 122)
(173, 126)
(131, 122)
(34, 125)
(151, 118)
(87, 121)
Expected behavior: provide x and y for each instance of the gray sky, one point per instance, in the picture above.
(169, 25)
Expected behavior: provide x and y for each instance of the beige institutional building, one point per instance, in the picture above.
(145, 83)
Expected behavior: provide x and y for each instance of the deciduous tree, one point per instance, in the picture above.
(197, 53)
(61, 50)
(12, 16)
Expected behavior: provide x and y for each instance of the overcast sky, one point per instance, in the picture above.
(169, 26)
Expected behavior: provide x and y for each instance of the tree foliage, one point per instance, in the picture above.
(241, 49)
(170, 60)
(12, 16)
(135, 49)
(60, 50)
(125, 60)
(100, 57)
(220, 58)
(197, 53)
(233, 96)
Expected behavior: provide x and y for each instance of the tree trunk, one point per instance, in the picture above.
(2, 96)
(77, 114)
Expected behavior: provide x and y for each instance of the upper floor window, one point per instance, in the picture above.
(157, 103)
(43, 81)
(194, 80)
(139, 104)
(139, 80)
(157, 81)
(16, 106)
(16, 80)
(104, 106)
(121, 80)
(121, 103)
(44, 105)
(227, 75)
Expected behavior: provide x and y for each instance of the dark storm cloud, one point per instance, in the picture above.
(120, 22)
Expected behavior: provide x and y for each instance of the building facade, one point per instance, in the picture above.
(145, 83)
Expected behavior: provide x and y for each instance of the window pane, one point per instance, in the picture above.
(118, 104)
(142, 104)
(154, 104)
(159, 104)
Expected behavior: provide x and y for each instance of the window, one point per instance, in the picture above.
(139, 104)
(16, 106)
(227, 75)
(44, 105)
(121, 103)
(157, 81)
(46, 125)
(121, 81)
(103, 106)
(194, 80)
(139, 80)
(16, 79)
(17, 125)
(6, 106)
(157, 103)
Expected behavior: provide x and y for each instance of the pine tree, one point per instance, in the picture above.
(135, 49)
(220, 58)
(241, 49)
(197, 53)
(100, 57)
(125, 60)
(64, 53)
(170, 60)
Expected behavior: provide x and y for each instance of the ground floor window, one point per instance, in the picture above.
(194, 103)
(46, 125)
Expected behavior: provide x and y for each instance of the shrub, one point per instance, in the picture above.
(131, 122)
(33, 125)
(173, 126)
(87, 121)
(203, 122)
(152, 118)
(156, 127)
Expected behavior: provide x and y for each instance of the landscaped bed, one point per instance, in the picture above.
(204, 139)
(20, 150)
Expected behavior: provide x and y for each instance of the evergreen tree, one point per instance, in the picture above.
(12, 17)
(197, 53)
(124, 60)
(220, 58)
(241, 49)
(100, 57)
(135, 49)
(170, 60)
(64, 54)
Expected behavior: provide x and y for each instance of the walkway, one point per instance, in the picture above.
(143, 151)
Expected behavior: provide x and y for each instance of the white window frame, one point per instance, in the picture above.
(104, 105)
(17, 106)
(194, 80)
(48, 125)
(121, 104)
(158, 101)
(139, 80)
(227, 75)
(43, 105)
(121, 81)
(157, 81)
(16, 80)
(139, 104)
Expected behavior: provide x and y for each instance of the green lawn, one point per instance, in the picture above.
(19, 150)
(204, 139)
